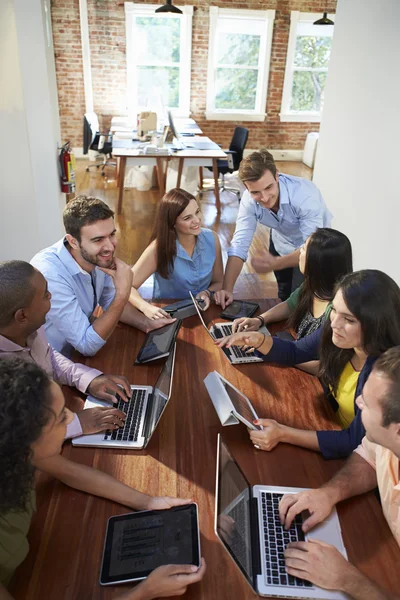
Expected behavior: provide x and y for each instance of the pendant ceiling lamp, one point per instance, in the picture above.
(168, 8)
(324, 20)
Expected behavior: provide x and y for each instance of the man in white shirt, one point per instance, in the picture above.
(374, 463)
(86, 280)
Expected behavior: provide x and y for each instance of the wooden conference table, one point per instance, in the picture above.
(67, 532)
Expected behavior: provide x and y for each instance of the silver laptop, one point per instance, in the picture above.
(195, 143)
(234, 354)
(248, 525)
(143, 412)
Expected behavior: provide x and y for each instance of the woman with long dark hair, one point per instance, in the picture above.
(324, 259)
(33, 421)
(364, 322)
(182, 255)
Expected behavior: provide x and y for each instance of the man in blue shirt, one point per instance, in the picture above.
(90, 288)
(292, 207)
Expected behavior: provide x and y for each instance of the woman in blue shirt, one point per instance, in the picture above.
(364, 322)
(182, 255)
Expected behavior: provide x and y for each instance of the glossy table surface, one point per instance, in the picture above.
(67, 531)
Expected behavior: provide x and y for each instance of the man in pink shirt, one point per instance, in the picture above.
(24, 303)
(375, 463)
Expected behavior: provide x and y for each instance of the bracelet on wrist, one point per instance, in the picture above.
(261, 319)
(210, 293)
(259, 345)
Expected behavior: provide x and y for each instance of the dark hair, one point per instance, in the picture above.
(16, 289)
(25, 409)
(171, 205)
(374, 299)
(328, 259)
(389, 365)
(84, 210)
(255, 164)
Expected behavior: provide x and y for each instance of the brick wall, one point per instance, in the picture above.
(108, 48)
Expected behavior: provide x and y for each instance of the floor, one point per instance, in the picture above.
(135, 223)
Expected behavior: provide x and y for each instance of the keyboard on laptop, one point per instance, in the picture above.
(276, 538)
(133, 410)
(237, 351)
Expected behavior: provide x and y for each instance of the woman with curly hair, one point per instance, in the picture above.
(364, 322)
(182, 255)
(33, 420)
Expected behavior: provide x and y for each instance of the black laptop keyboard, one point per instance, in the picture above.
(276, 538)
(133, 410)
(224, 330)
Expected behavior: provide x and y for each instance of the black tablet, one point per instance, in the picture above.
(137, 543)
(183, 308)
(158, 343)
(238, 309)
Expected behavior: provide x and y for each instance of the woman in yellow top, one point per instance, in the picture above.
(33, 421)
(364, 322)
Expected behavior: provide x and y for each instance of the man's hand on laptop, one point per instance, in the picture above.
(122, 276)
(105, 387)
(223, 298)
(317, 502)
(320, 563)
(94, 420)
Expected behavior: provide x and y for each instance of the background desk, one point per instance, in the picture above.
(67, 532)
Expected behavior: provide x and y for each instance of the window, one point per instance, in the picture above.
(238, 63)
(158, 57)
(307, 61)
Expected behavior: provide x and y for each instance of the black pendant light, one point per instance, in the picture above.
(168, 8)
(324, 20)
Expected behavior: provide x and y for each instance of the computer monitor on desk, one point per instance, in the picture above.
(194, 143)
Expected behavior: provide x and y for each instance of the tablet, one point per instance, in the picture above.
(158, 343)
(137, 543)
(238, 309)
(182, 308)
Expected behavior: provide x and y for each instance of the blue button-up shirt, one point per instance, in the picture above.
(301, 211)
(72, 302)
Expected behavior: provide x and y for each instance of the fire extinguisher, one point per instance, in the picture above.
(67, 169)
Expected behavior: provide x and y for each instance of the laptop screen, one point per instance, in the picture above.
(233, 512)
(161, 393)
(172, 125)
(200, 315)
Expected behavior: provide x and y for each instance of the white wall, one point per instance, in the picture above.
(358, 158)
(30, 199)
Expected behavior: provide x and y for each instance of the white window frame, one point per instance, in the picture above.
(135, 9)
(258, 114)
(286, 114)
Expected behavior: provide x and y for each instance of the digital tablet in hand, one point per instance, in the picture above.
(239, 309)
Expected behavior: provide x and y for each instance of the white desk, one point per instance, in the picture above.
(183, 126)
(192, 157)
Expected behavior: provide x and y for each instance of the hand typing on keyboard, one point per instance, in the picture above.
(106, 387)
(317, 502)
(97, 419)
(248, 340)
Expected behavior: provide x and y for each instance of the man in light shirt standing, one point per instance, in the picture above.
(90, 287)
(24, 303)
(292, 207)
(374, 463)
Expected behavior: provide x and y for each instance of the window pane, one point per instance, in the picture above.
(236, 88)
(234, 49)
(308, 91)
(312, 52)
(157, 39)
(158, 82)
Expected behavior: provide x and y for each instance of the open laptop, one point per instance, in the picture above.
(234, 354)
(195, 143)
(248, 525)
(143, 412)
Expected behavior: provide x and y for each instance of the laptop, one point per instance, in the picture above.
(248, 525)
(143, 413)
(196, 143)
(230, 404)
(234, 354)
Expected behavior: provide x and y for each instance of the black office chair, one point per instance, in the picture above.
(235, 155)
(99, 142)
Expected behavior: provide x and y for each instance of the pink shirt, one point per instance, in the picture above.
(386, 465)
(57, 366)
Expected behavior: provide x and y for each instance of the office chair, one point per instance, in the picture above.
(94, 140)
(234, 158)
